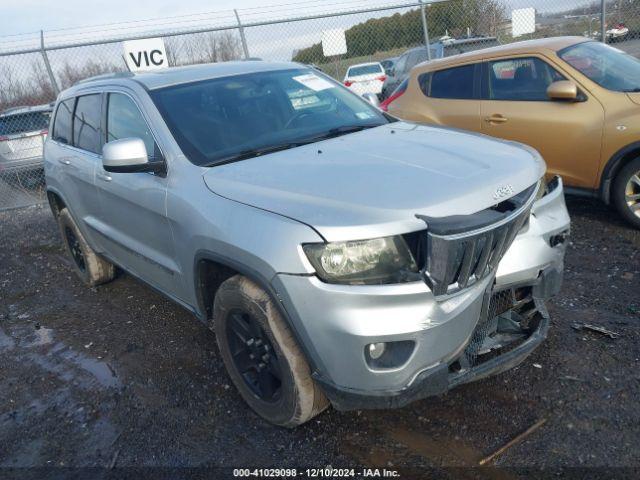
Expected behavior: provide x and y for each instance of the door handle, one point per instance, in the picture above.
(64, 161)
(104, 177)
(496, 118)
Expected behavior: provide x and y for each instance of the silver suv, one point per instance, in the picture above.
(339, 255)
(23, 131)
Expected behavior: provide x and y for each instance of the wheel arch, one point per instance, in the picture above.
(56, 202)
(614, 165)
(211, 269)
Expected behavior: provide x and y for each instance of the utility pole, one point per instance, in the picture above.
(242, 37)
(52, 78)
(425, 27)
(603, 33)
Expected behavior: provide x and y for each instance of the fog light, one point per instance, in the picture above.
(383, 355)
(376, 350)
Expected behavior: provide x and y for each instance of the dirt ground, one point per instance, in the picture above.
(119, 376)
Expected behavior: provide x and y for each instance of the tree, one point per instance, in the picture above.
(403, 30)
(71, 74)
(211, 47)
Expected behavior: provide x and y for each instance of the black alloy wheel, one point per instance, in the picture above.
(253, 356)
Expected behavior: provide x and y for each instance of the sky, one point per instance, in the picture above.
(72, 22)
(21, 16)
(79, 21)
(27, 16)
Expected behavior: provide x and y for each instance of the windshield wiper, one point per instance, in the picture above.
(338, 131)
(256, 152)
(253, 152)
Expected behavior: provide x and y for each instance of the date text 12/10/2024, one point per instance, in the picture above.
(327, 472)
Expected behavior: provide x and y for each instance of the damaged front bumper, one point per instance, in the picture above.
(434, 344)
(513, 324)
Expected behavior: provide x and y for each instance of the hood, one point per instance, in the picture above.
(373, 183)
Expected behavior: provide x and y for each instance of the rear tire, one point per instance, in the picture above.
(625, 192)
(92, 269)
(261, 355)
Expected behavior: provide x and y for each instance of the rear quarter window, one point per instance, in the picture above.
(62, 122)
(452, 83)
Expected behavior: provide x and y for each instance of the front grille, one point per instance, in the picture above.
(451, 263)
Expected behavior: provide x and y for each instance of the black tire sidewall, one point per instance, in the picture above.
(618, 191)
(64, 221)
(230, 298)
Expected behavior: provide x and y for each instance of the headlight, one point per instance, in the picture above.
(378, 261)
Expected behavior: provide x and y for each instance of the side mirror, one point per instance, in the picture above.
(372, 98)
(128, 155)
(391, 72)
(563, 90)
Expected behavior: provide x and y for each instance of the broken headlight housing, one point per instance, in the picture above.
(363, 262)
(542, 189)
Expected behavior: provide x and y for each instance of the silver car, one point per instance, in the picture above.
(23, 131)
(339, 255)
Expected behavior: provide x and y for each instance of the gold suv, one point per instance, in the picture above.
(575, 100)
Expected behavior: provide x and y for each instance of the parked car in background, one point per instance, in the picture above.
(617, 33)
(22, 134)
(444, 48)
(339, 255)
(575, 100)
(388, 64)
(365, 78)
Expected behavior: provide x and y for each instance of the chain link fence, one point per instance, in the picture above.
(35, 67)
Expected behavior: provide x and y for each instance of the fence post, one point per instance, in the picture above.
(603, 33)
(52, 79)
(242, 37)
(425, 27)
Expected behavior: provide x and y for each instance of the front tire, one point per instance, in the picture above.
(261, 355)
(626, 192)
(92, 269)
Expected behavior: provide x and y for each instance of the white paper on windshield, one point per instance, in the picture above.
(313, 82)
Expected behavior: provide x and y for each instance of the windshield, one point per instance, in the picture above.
(609, 67)
(231, 118)
(24, 122)
(365, 70)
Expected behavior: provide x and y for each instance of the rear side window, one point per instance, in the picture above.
(24, 123)
(62, 122)
(86, 123)
(524, 79)
(453, 83)
(124, 120)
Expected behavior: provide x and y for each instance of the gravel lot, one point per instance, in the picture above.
(120, 376)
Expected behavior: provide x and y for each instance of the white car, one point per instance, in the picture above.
(365, 78)
(617, 33)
